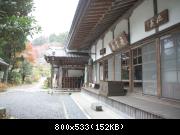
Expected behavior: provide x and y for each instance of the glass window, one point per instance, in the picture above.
(118, 67)
(101, 71)
(106, 70)
(94, 73)
(125, 66)
(149, 70)
(138, 72)
(137, 69)
(110, 69)
(137, 63)
(98, 72)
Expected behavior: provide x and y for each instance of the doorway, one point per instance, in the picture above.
(170, 66)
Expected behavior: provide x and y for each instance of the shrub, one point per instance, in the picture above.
(47, 83)
(15, 78)
(3, 86)
(28, 80)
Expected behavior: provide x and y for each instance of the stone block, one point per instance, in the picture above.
(96, 107)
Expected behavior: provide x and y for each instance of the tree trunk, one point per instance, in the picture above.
(23, 78)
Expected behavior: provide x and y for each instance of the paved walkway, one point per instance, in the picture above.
(32, 102)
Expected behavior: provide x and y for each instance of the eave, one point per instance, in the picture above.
(93, 18)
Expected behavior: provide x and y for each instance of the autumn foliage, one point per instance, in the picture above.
(3, 86)
(29, 53)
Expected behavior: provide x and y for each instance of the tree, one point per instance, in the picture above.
(58, 38)
(25, 69)
(29, 53)
(15, 25)
(40, 41)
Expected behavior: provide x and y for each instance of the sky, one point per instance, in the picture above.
(54, 16)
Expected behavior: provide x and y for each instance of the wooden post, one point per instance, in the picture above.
(131, 75)
(114, 68)
(90, 74)
(51, 76)
(5, 78)
(59, 78)
(158, 60)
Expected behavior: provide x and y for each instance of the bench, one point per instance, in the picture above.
(112, 88)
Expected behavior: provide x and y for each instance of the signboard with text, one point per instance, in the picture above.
(103, 51)
(157, 20)
(119, 42)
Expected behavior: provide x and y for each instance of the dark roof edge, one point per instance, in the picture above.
(82, 6)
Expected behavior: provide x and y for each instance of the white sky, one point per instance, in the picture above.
(55, 16)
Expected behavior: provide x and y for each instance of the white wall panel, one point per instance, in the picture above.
(99, 47)
(93, 56)
(141, 14)
(174, 11)
(107, 39)
(120, 27)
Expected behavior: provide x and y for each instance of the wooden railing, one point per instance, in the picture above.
(71, 82)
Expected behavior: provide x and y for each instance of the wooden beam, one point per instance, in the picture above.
(155, 12)
(131, 75)
(114, 78)
(158, 62)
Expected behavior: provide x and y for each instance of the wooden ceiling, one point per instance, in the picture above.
(94, 17)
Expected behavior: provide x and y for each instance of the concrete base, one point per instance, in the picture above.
(2, 113)
(131, 111)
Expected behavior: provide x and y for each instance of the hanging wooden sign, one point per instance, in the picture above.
(119, 42)
(157, 20)
(103, 51)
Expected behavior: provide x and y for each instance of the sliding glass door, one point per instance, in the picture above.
(149, 69)
(170, 66)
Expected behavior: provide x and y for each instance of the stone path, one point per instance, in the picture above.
(30, 102)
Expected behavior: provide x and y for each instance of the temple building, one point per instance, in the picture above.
(67, 68)
(3, 71)
(134, 45)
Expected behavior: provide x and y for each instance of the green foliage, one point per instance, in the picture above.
(51, 39)
(40, 41)
(16, 7)
(58, 38)
(36, 74)
(25, 70)
(15, 77)
(15, 25)
(28, 80)
(47, 83)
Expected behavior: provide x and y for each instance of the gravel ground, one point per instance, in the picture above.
(29, 103)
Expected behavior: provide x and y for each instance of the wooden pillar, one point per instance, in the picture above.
(5, 77)
(158, 60)
(114, 68)
(155, 4)
(59, 78)
(51, 76)
(131, 75)
(86, 77)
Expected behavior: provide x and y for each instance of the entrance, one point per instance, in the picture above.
(170, 66)
(144, 69)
